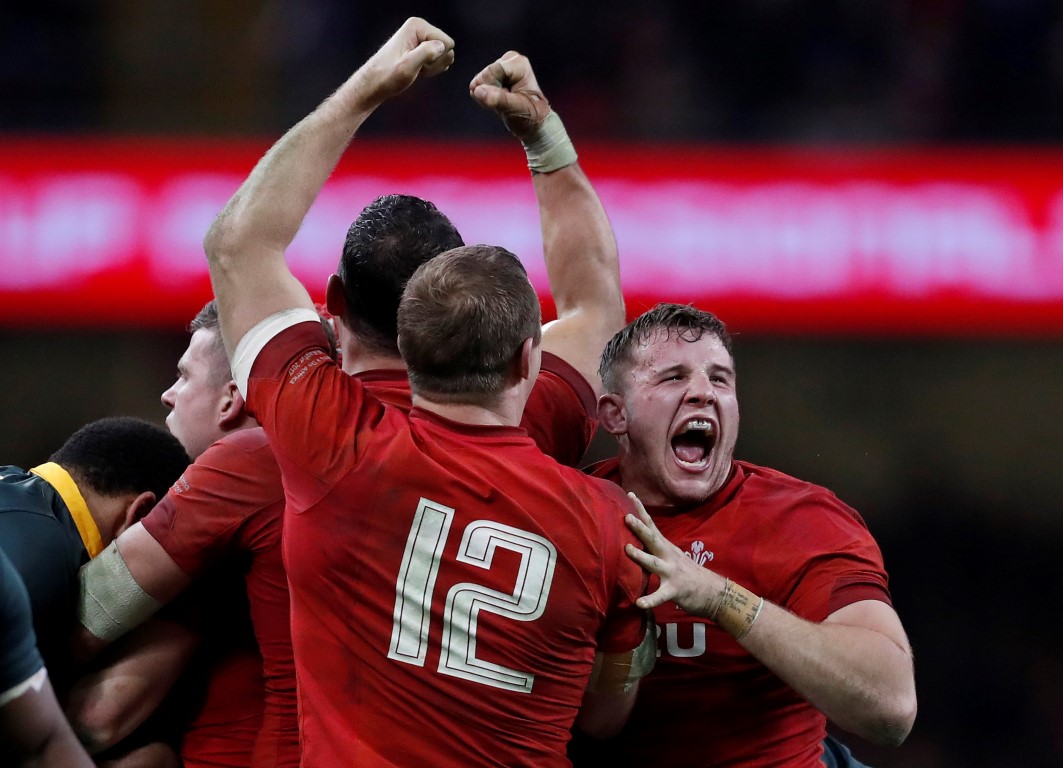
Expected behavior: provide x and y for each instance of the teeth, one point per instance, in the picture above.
(699, 425)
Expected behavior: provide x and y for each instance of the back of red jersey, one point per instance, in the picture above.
(560, 415)
(450, 584)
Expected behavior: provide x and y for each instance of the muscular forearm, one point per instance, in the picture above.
(582, 265)
(578, 246)
(271, 204)
(154, 755)
(578, 243)
(105, 706)
(861, 678)
(34, 733)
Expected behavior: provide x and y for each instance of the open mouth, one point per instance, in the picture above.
(693, 442)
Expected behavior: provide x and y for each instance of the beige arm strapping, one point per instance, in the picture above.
(111, 602)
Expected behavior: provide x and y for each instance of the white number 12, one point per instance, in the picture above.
(416, 583)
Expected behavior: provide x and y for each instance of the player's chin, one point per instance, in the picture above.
(687, 489)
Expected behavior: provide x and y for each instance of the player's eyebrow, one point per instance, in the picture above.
(673, 369)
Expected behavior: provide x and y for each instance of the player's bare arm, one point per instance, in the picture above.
(246, 243)
(109, 703)
(153, 755)
(614, 684)
(33, 731)
(856, 666)
(578, 243)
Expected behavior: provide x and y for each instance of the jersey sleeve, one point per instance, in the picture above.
(314, 414)
(205, 515)
(19, 657)
(625, 623)
(843, 564)
(561, 414)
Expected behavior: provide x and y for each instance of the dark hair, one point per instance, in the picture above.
(122, 454)
(390, 239)
(683, 320)
(462, 321)
(207, 320)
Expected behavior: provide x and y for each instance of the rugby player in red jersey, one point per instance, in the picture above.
(772, 609)
(228, 504)
(493, 671)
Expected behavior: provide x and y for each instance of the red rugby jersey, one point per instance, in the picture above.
(708, 702)
(449, 583)
(229, 504)
(228, 718)
(228, 507)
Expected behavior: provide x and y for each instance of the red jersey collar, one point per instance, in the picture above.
(397, 375)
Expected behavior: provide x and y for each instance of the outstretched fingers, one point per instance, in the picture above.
(642, 525)
(651, 564)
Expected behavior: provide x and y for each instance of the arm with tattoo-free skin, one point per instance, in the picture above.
(578, 244)
(111, 702)
(855, 666)
(154, 755)
(245, 245)
(35, 734)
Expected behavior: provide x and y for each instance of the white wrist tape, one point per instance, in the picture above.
(111, 601)
(550, 149)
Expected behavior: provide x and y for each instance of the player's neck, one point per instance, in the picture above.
(358, 358)
(506, 412)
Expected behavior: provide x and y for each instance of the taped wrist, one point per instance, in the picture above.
(737, 610)
(549, 148)
(111, 601)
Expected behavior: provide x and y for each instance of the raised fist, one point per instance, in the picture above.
(416, 48)
(508, 87)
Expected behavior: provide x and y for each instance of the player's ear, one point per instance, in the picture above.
(528, 368)
(611, 413)
(232, 408)
(134, 511)
(335, 300)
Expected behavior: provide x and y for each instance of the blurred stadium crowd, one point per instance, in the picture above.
(776, 71)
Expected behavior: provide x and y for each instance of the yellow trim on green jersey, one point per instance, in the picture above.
(64, 485)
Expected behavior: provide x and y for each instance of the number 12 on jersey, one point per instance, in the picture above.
(416, 583)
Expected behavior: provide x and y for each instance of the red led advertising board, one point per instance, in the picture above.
(951, 242)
